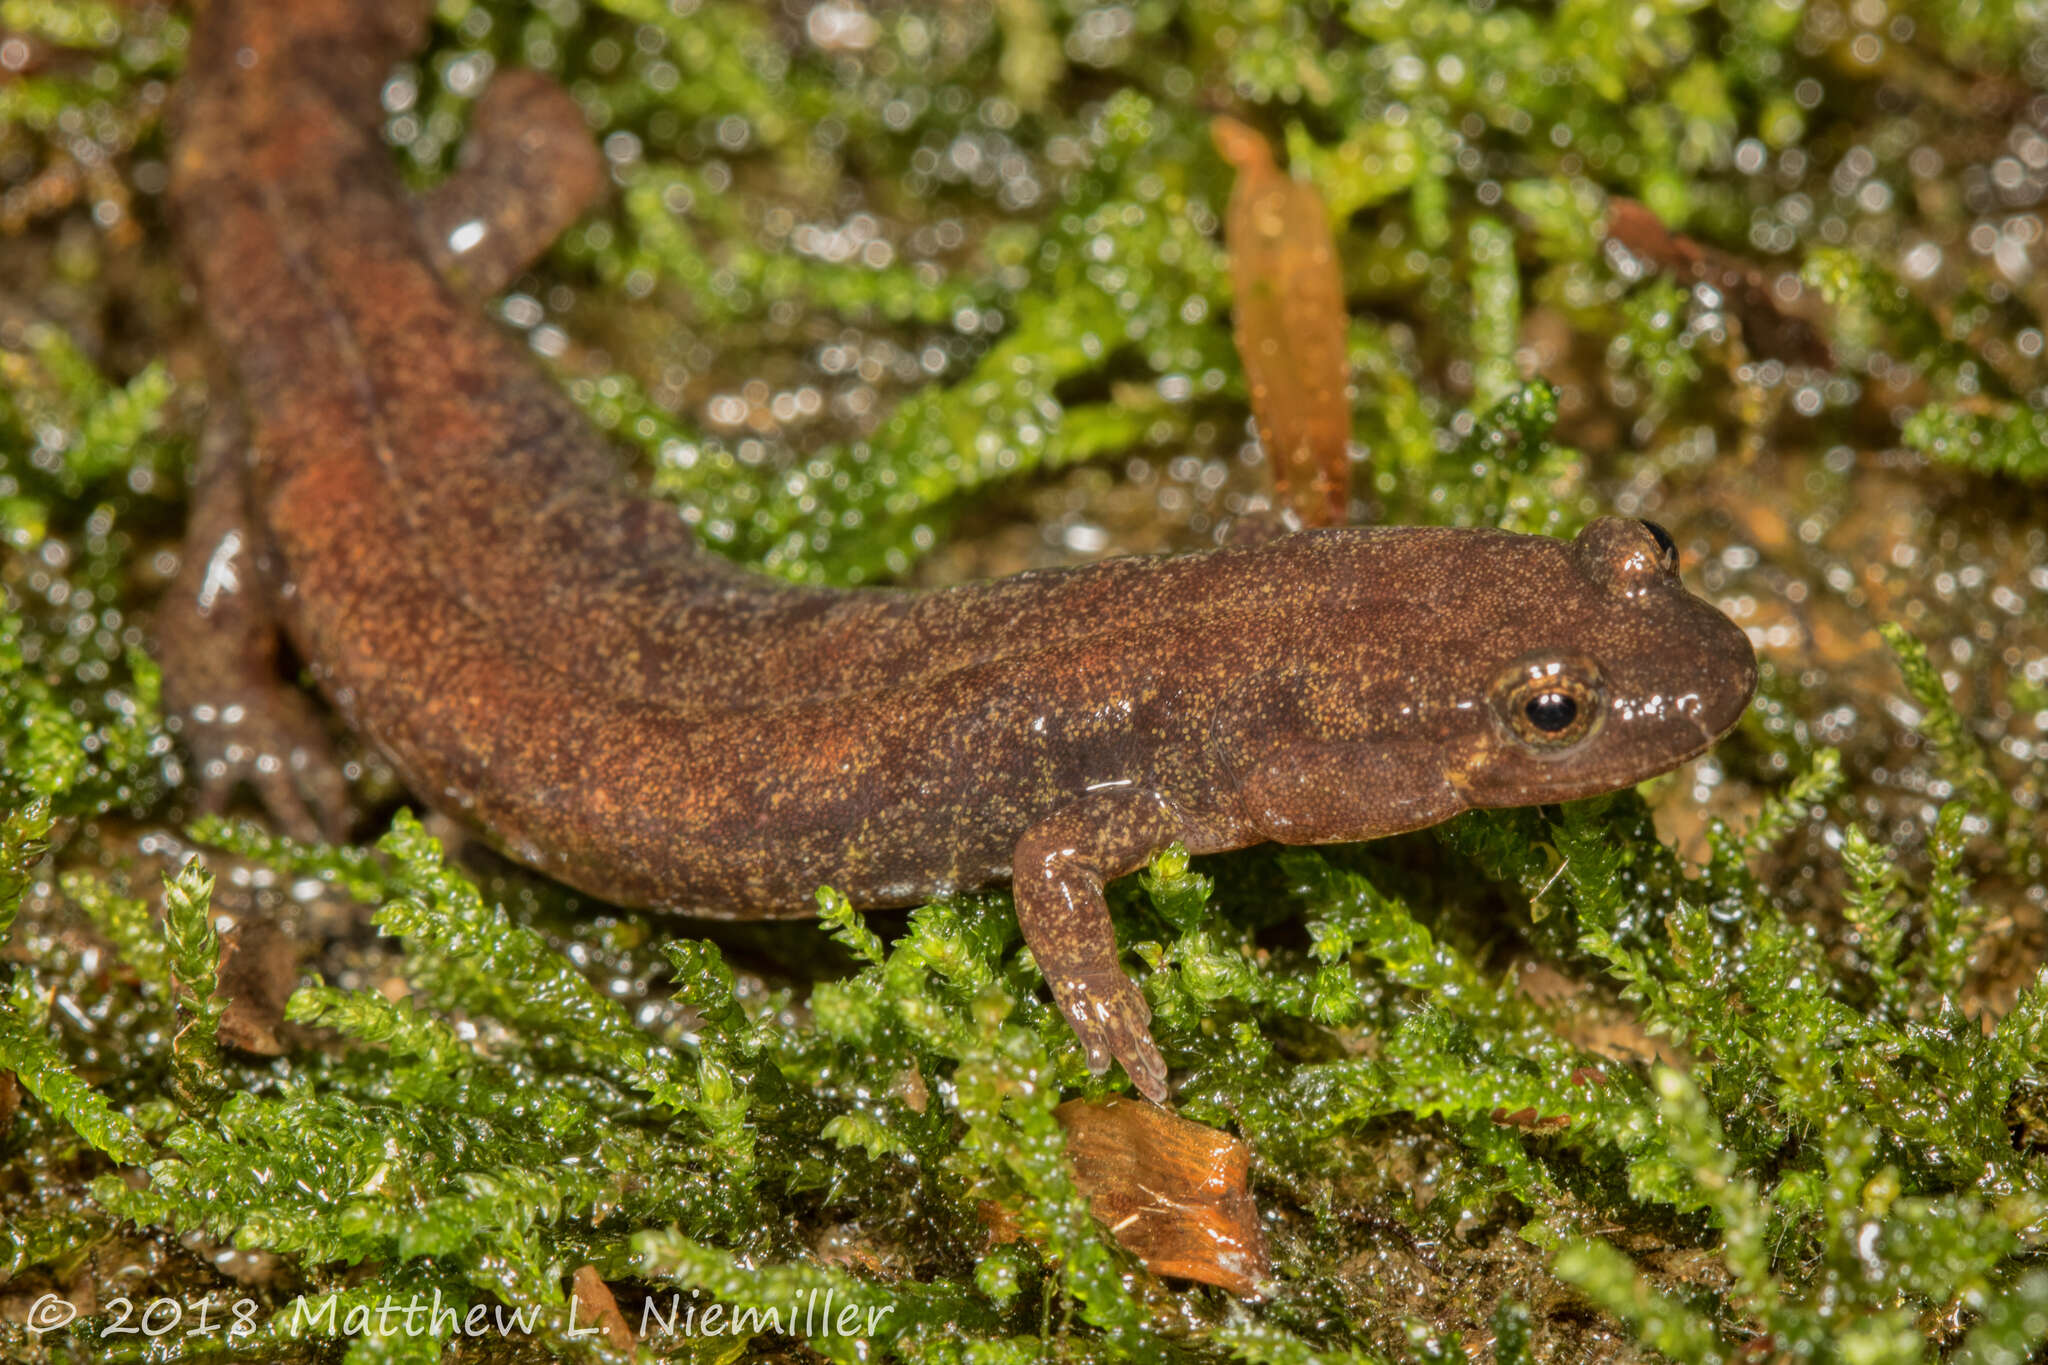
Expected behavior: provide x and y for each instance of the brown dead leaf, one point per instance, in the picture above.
(258, 969)
(1287, 302)
(1174, 1193)
(595, 1305)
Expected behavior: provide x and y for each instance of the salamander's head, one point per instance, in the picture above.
(1420, 672)
(1595, 671)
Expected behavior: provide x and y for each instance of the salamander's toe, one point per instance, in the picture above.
(1113, 1021)
(273, 741)
(1145, 1067)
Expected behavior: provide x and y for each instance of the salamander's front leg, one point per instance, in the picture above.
(1059, 869)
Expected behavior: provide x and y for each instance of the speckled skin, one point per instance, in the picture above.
(539, 650)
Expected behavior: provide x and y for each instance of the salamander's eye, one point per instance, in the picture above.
(1550, 702)
(1667, 548)
(1629, 556)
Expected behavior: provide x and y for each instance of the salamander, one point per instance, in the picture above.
(476, 587)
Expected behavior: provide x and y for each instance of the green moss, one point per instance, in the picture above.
(1874, 312)
(194, 951)
(25, 1049)
(2008, 439)
(1809, 1155)
(1962, 759)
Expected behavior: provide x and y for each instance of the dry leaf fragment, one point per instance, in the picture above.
(1175, 1193)
(257, 971)
(1530, 1118)
(1769, 323)
(595, 1306)
(1287, 302)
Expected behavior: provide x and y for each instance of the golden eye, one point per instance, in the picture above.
(1550, 703)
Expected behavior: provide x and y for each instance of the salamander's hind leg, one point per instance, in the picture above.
(216, 634)
(528, 170)
(1059, 869)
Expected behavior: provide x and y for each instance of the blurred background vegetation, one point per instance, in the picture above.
(1744, 1066)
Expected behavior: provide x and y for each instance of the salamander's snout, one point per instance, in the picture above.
(1621, 673)
(1732, 674)
(1675, 658)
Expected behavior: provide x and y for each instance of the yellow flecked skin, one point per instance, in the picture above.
(464, 569)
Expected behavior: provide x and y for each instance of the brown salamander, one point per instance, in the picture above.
(469, 576)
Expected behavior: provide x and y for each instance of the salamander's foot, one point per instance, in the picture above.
(272, 740)
(1112, 1020)
(529, 169)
